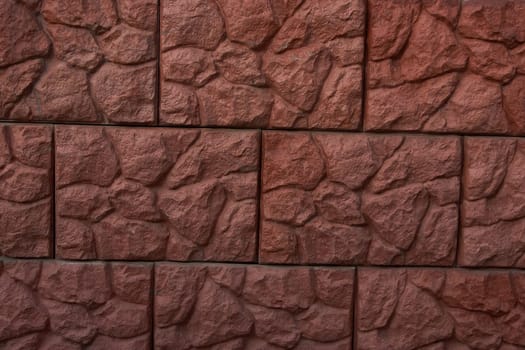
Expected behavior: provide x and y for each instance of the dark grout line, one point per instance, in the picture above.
(152, 310)
(268, 265)
(459, 231)
(258, 214)
(157, 83)
(319, 131)
(355, 308)
(52, 180)
(157, 123)
(364, 85)
(364, 90)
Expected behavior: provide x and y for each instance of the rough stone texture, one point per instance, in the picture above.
(260, 307)
(155, 194)
(279, 64)
(59, 305)
(411, 212)
(78, 61)
(445, 66)
(405, 309)
(352, 199)
(25, 190)
(493, 208)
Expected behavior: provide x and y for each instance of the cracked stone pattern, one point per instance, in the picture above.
(260, 307)
(446, 65)
(278, 63)
(56, 305)
(434, 309)
(78, 61)
(25, 190)
(493, 208)
(356, 198)
(155, 194)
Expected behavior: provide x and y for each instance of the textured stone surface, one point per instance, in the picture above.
(493, 208)
(438, 66)
(261, 63)
(416, 308)
(77, 61)
(58, 305)
(25, 190)
(154, 194)
(353, 199)
(433, 224)
(260, 307)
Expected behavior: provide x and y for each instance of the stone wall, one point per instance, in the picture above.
(262, 174)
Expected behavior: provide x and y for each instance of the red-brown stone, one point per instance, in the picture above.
(76, 46)
(440, 67)
(22, 36)
(471, 310)
(434, 224)
(25, 191)
(72, 305)
(256, 63)
(125, 94)
(266, 308)
(493, 217)
(341, 199)
(127, 45)
(78, 62)
(155, 194)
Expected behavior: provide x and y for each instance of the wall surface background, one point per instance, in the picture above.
(263, 174)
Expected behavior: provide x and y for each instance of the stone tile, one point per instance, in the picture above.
(331, 198)
(493, 208)
(78, 61)
(446, 67)
(25, 190)
(60, 305)
(277, 64)
(155, 194)
(405, 309)
(260, 307)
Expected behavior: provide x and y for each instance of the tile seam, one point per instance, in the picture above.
(156, 117)
(152, 305)
(233, 128)
(364, 85)
(354, 308)
(459, 233)
(266, 265)
(52, 175)
(258, 213)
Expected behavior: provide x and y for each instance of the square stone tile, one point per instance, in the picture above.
(61, 305)
(493, 208)
(446, 66)
(25, 190)
(155, 194)
(252, 307)
(435, 309)
(334, 198)
(78, 61)
(259, 63)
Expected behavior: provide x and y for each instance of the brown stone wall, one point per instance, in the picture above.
(262, 174)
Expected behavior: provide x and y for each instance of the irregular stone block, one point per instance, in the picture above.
(155, 194)
(493, 208)
(332, 198)
(406, 309)
(61, 305)
(25, 190)
(78, 62)
(446, 66)
(252, 307)
(277, 64)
